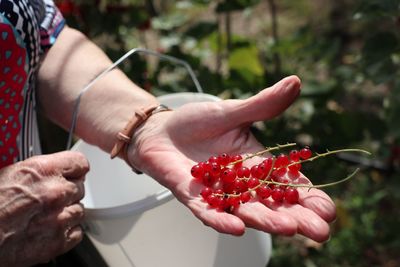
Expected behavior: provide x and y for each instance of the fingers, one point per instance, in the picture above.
(319, 202)
(308, 222)
(58, 231)
(62, 181)
(75, 166)
(311, 216)
(258, 216)
(72, 216)
(61, 192)
(270, 217)
(72, 165)
(73, 233)
(73, 236)
(57, 221)
(189, 194)
(220, 221)
(316, 200)
(265, 105)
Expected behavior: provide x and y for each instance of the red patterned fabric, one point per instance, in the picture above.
(12, 82)
(28, 28)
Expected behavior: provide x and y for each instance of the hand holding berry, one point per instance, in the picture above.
(170, 143)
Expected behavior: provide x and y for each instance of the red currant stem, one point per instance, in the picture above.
(272, 168)
(318, 155)
(297, 185)
(315, 186)
(268, 149)
(268, 175)
(330, 153)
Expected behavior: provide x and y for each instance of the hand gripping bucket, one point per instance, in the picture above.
(134, 221)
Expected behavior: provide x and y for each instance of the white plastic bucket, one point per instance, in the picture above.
(134, 221)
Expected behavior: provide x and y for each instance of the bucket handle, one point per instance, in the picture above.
(113, 66)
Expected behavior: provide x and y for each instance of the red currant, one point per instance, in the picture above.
(291, 195)
(221, 205)
(206, 166)
(229, 187)
(269, 161)
(245, 197)
(294, 169)
(294, 155)
(240, 186)
(305, 153)
(197, 171)
(281, 161)
(279, 173)
(205, 192)
(214, 169)
(233, 202)
(228, 175)
(209, 180)
(243, 172)
(263, 191)
(237, 158)
(277, 194)
(264, 168)
(223, 159)
(252, 182)
(213, 159)
(212, 200)
(255, 172)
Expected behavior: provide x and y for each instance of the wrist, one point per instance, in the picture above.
(146, 140)
(126, 136)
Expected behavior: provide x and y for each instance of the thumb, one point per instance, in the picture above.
(265, 105)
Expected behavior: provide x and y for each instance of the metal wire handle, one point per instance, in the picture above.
(113, 66)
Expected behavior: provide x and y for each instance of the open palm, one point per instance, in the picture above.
(170, 143)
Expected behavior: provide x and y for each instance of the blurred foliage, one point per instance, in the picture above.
(347, 54)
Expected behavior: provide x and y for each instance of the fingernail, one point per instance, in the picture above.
(292, 84)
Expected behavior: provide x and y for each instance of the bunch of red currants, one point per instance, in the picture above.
(228, 183)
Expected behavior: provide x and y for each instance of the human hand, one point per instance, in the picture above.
(40, 211)
(170, 143)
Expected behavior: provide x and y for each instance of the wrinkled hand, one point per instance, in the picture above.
(39, 207)
(170, 143)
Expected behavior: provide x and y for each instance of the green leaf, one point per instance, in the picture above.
(246, 58)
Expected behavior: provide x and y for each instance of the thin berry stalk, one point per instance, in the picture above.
(320, 155)
(315, 186)
(268, 149)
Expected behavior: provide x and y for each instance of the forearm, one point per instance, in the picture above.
(104, 110)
